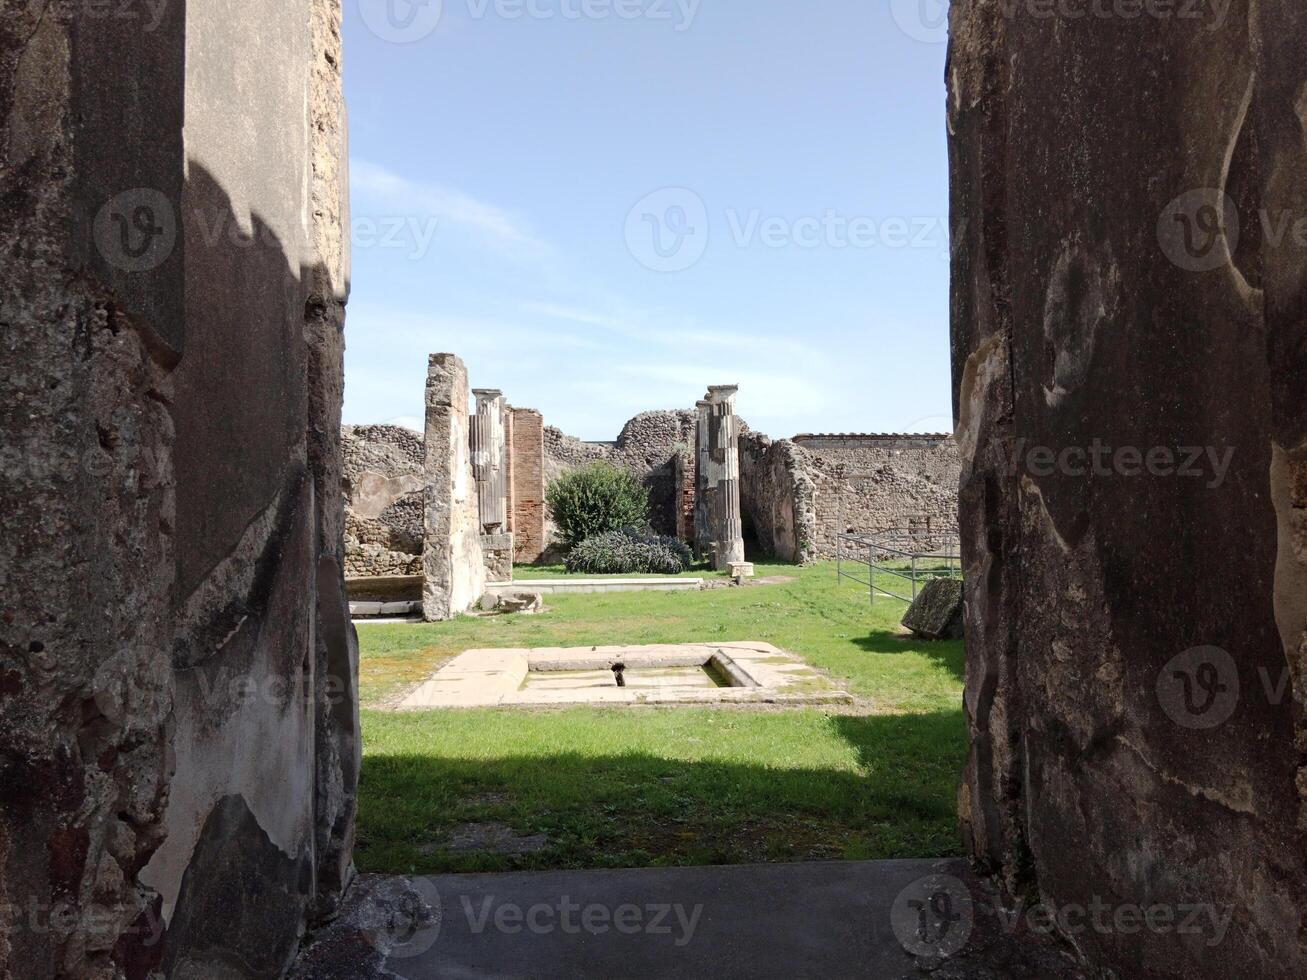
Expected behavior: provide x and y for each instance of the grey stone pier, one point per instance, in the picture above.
(452, 562)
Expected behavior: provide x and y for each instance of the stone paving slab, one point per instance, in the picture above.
(813, 920)
(760, 673)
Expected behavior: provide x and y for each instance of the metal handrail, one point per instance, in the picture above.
(936, 546)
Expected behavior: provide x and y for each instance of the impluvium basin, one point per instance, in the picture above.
(690, 673)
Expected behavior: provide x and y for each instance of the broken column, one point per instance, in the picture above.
(719, 456)
(489, 446)
(454, 573)
(1128, 325)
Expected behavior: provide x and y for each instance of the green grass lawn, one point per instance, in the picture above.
(622, 787)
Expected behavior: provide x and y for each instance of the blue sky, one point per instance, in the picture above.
(604, 206)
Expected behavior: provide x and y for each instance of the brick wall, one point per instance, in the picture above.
(528, 484)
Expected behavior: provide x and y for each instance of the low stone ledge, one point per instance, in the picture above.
(580, 586)
(384, 588)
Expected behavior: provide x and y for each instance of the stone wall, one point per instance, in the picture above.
(179, 673)
(647, 447)
(779, 498)
(797, 495)
(1136, 626)
(868, 483)
(382, 483)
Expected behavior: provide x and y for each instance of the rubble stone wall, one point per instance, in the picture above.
(870, 483)
(778, 495)
(1123, 621)
(383, 487)
(647, 447)
(174, 600)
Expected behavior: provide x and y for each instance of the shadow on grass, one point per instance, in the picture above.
(949, 653)
(633, 808)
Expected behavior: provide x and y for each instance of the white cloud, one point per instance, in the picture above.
(388, 189)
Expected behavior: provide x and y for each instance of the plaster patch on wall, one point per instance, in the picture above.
(1081, 297)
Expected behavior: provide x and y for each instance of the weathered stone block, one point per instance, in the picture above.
(526, 603)
(936, 612)
(497, 553)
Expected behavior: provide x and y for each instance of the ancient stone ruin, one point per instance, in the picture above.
(712, 482)
(179, 746)
(795, 495)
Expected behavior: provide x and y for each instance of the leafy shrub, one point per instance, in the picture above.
(594, 500)
(627, 551)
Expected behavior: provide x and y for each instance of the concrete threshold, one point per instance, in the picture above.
(878, 919)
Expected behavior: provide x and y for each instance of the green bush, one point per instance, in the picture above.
(594, 500)
(628, 551)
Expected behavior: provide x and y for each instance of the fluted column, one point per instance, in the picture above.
(488, 460)
(490, 470)
(721, 476)
(702, 533)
